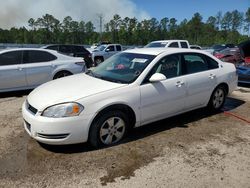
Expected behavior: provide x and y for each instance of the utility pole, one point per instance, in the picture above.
(100, 16)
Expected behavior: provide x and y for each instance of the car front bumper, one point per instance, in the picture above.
(56, 131)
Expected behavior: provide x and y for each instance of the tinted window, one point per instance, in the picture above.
(35, 56)
(52, 47)
(11, 58)
(195, 63)
(118, 48)
(212, 64)
(111, 48)
(80, 49)
(174, 45)
(184, 45)
(156, 44)
(65, 49)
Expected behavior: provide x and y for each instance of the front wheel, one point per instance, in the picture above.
(62, 74)
(217, 99)
(108, 129)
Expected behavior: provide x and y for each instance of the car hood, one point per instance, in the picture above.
(68, 89)
(245, 48)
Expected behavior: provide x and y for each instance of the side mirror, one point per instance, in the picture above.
(157, 77)
(107, 50)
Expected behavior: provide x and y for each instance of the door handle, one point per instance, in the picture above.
(20, 68)
(212, 76)
(179, 83)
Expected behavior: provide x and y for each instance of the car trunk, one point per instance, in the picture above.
(245, 51)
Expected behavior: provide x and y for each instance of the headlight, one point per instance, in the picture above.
(63, 110)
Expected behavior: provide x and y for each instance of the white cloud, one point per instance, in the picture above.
(17, 12)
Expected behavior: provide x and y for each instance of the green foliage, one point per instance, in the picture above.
(222, 28)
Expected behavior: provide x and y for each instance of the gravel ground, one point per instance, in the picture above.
(196, 149)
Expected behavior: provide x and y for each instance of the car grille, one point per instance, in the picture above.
(31, 109)
(52, 136)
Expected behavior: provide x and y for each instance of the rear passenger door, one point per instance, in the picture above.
(12, 75)
(38, 65)
(200, 75)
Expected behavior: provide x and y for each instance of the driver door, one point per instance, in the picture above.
(164, 98)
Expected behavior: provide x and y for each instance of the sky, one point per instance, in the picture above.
(16, 13)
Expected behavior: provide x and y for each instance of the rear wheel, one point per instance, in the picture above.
(108, 129)
(62, 74)
(217, 99)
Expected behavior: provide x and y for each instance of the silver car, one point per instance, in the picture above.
(26, 68)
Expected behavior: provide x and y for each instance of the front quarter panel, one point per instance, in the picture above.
(128, 95)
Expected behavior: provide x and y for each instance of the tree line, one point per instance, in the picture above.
(231, 27)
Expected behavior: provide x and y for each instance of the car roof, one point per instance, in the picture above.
(21, 49)
(169, 41)
(157, 51)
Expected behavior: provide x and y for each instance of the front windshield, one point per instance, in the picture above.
(122, 67)
(156, 45)
(101, 48)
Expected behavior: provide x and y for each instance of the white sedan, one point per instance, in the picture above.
(26, 68)
(130, 89)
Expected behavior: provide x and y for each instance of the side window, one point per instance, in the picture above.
(11, 58)
(170, 66)
(35, 56)
(184, 45)
(118, 48)
(111, 48)
(80, 49)
(195, 63)
(65, 49)
(212, 64)
(174, 45)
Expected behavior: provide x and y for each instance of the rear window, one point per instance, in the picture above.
(118, 48)
(174, 45)
(54, 47)
(156, 45)
(80, 49)
(184, 45)
(35, 56)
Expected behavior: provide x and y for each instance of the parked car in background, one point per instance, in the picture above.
(243, 74)
(168, 44)
(105, 51)
(219, 47)
(74, 51)
(195, 47)
(245, 51)
(244, 68)
(231, 55)
(26, 68)
(130, 89)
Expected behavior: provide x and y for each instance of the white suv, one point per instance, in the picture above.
(103, 52)
(168, 43)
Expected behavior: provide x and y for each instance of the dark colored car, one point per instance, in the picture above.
(73, 50)
(231, 55)
(219, 47)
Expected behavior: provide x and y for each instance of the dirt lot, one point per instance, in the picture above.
(196, 149)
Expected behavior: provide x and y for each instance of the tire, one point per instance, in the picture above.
(62, 74)
(98, 60)
(217, 99)
(108, 129)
